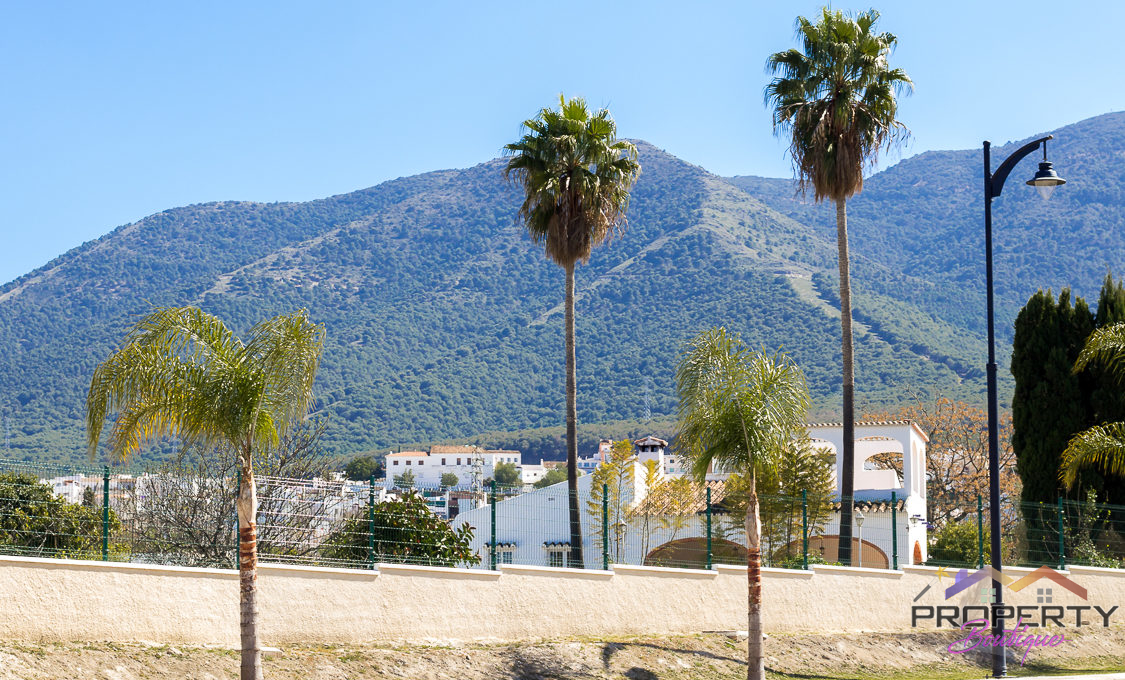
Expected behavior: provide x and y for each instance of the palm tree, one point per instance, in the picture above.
(836, 101)
(1101, 446)
(738, 411)
(181, 373)
(576, 177)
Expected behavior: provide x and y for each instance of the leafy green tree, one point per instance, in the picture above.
(835, 100)
(1048, 404)
(738, 411)
(449, 479)
(182, 373)
(576, 177)
(406, 530)
(507, 474)
(553, 476)
(361, 468)
(34, 521)
(405, 480)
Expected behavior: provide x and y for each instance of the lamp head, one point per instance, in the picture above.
(1045, 179)
(859, 518)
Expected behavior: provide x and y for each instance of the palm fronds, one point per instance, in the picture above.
(836, 100)
(576, 177)
(1102, 446)
(182, 373)
(738, 410)
(1105, 349)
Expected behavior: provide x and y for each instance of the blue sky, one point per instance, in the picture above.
(114, 111)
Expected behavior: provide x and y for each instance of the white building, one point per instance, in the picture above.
(532, 472)
(873, 486)
(590, 463)
(470, 464)
(647, 448)
(533, 528)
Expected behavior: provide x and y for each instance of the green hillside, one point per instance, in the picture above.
(444, 322)
(925, 217)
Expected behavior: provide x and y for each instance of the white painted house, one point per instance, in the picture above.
(469, 463)
(533, 528)
(874, 486)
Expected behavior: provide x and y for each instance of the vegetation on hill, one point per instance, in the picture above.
(444, 322)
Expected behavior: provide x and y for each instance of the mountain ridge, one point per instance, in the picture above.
(443, 317)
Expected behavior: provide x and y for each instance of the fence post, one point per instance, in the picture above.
(105, 514)
(371, 522)
(710, 555)
(894, 531)
(605, 527)
(805, 529)
(237, 519)
(1062, 537)
(492, 524)
(980, 532)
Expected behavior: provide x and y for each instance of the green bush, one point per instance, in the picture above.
(34, 521)
(405, 530)
(957, 543)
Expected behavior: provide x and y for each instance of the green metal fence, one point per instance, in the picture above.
(92, 513)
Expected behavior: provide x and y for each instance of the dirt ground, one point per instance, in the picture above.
(707, 656)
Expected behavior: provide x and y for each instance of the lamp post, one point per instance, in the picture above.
(1045, 180)
(859, 525)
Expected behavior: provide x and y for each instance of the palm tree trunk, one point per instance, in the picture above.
(847, 474)
(572, 426)
(755, 665)
(248, 574)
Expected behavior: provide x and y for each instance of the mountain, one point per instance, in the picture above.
(925, 217)
(444, 321)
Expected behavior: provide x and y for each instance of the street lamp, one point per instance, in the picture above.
(1045, 181)
(859, 525)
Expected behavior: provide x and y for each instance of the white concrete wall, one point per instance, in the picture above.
(65, 600)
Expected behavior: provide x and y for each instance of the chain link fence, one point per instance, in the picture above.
(166, 518)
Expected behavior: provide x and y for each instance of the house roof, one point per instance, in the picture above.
(878, 423)
(650, 440)
(454, 449)
(874, 506)
(403, 454)
(467, 450)
(659, 503)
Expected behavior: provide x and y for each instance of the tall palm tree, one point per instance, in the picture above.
(1101, 446)
(836, 101)
(181, 372)
(576, 177)
(738, 411)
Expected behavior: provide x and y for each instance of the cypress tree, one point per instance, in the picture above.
(1049, 404)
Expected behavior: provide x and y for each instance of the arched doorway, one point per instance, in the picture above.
(828, 547)
(691, 553)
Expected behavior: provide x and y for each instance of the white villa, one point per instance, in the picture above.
(533, 528)
(469, 463)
